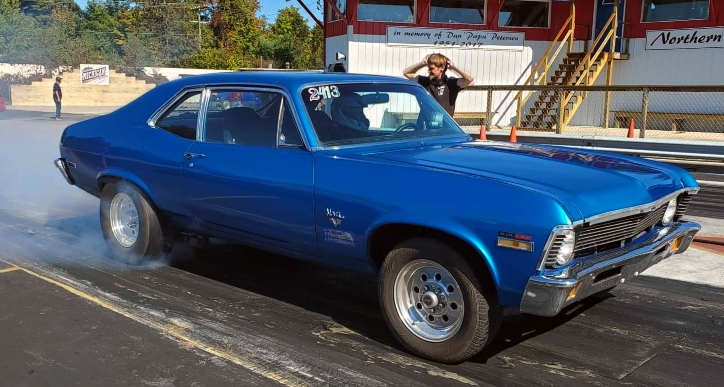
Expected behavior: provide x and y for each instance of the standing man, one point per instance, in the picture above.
(57, 96)
(443, 88)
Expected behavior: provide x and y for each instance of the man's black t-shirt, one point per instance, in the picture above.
(56, 87)
(445, 91)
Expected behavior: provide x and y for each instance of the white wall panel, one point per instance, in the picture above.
(334, 45)
(370, 54)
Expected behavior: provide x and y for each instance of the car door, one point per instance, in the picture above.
(157, 157)
(251, 174)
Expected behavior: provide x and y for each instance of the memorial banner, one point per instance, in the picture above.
(455, 38)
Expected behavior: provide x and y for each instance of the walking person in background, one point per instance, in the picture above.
(443, 88)
(57, 96)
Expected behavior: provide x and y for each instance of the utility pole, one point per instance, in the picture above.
(198, 17)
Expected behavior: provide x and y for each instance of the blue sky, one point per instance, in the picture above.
(269, 8)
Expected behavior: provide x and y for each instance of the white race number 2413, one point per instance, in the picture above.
(323, 92)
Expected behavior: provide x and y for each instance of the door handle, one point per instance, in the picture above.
(192, 155)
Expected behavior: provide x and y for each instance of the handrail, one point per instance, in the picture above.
(587, 60)
(567, 26)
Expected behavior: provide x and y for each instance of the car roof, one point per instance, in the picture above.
(291, 80)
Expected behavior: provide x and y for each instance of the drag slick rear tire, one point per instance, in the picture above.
(435, 304)
(130, 225)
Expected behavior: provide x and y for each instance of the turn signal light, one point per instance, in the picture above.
(573, 291)
(518, 245)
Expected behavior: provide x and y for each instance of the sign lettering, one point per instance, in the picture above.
(94, 74)
(686, 38)
(443, 37)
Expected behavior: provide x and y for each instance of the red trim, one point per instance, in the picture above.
(335, 28)
(559, 13)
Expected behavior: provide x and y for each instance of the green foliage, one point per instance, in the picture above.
(154, 33)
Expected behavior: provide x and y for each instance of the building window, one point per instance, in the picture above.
(400, 11)
(525, 13)
(457, 11)
(675, 10)
(341, 5)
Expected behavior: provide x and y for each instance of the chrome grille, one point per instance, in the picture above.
(683, 205)
(553, 252)
(611, 234)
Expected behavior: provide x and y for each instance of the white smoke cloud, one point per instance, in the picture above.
(37, 205)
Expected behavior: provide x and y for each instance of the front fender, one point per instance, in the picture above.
(439, 223)
(509, 268)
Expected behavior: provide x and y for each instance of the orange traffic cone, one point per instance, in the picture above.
(2, 104)
(482, 133)
(631, 129)
(513, 135)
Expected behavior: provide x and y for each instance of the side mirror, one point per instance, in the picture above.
(341, 56)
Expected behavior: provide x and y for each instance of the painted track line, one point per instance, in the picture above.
(167, 329)
(10, 269)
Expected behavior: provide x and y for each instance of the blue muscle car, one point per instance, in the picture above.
(370, 173)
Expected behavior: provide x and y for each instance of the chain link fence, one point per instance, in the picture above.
(675, 113)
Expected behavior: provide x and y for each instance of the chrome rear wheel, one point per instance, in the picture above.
(124, 220)
(130, 225)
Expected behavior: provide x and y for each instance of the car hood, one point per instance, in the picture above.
(591, 183)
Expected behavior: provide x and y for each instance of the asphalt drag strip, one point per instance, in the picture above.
(54, 337)
(230, 315)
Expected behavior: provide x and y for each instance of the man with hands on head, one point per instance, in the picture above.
(443, 88)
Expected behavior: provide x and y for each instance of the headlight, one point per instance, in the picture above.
(565, 253)
(670, 212)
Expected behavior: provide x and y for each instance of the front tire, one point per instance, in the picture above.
(131, 228)
(434, 303)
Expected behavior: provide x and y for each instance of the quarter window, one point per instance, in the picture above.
(250, 117)
(401, 11)
(457, 11)
(675, 10)
(525, 13)
(182, 118)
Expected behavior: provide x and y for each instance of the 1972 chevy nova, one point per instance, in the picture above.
(369, 173)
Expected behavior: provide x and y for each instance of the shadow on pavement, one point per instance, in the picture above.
(350, 299)
(41, 115)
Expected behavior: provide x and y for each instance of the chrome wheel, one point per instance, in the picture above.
(124, 220)
(428, 300)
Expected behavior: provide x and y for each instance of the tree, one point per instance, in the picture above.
(102, 18)
(236, 29)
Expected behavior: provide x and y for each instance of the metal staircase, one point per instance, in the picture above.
(554, 107)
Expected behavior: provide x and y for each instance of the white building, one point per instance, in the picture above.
(501, 42)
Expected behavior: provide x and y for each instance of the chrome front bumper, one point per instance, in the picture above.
(551, 291)
(62, 166)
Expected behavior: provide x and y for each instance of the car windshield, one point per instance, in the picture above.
(364, 113)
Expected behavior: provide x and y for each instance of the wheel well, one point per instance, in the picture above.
(169, 228)
(107, 179)
(388, 236)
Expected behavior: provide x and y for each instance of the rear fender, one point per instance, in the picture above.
(111, 174)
